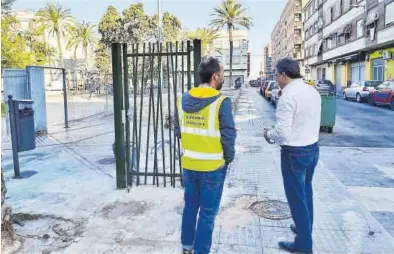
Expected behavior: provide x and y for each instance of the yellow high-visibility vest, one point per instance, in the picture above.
(200, 137)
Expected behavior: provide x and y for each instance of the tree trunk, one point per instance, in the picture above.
(230, 36)
(59, 45)
(8, 236)
(85, 51)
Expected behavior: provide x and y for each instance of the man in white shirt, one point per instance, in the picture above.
(297, 132)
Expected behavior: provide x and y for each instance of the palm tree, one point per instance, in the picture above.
(231, 15)
(83, 35)
(57, 21)
(207, 37)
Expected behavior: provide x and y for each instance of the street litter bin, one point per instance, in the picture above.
(328, 111)
(25, 129)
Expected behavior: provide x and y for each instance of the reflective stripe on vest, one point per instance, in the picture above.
(210, 134)
(203, 156)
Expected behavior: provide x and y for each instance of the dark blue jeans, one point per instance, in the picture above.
(298, 165)
(203, 191)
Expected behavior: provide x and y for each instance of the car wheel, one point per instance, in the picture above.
(344, 96)
(370, 101)
(358, 98)
(392, 103)
(330, 129)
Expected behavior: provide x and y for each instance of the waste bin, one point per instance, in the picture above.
(25, 129)
(328, 111)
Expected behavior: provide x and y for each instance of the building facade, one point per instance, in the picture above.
(26, 20)
(286, 38)
(267, 63)
(241, 58)
(349, 40)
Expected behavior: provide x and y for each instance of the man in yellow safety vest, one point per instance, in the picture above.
(205, 124)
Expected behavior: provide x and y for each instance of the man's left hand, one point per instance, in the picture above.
(266, 135)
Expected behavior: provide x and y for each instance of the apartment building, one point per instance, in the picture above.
(349, 40)
(267, 63)
(241, 58)
(286, 38)
(27, 20)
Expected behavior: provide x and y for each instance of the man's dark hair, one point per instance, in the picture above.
(289, 66)
(207, 68)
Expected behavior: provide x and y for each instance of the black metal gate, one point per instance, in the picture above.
(151, 77)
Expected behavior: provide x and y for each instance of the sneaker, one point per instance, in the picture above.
(187, 251)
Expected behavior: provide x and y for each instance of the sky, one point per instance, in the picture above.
(192, 13)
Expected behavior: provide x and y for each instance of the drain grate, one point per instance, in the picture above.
(271, 209)
(107, 161)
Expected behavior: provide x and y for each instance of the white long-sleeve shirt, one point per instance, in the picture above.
(297, 115)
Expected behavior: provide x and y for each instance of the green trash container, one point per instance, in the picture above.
(328, 111)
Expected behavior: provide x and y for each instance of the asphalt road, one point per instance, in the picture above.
(357, 124)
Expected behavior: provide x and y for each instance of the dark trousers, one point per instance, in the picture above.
(203, 192)
(298, 165)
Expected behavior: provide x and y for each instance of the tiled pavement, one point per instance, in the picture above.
(342, 224)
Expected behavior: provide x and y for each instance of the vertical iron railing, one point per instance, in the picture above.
(155, 153)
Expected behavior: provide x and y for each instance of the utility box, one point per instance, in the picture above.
(25, 130)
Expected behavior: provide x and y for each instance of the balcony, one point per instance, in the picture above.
(297, 39)
(297, 24)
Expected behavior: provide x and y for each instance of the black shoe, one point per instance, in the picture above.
(187, 251)
(293, 228)
(290, 247)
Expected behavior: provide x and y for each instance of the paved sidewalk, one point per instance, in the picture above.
(81, 212)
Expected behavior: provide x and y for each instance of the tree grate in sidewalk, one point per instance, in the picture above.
(107, 161)
(271, 209)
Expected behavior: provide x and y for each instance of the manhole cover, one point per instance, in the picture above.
(107, 161)
(271, 209)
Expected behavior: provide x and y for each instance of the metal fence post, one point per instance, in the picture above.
(197, 61)
(126, 107)
(188, 66)
(65, 99)
(13, 110)
(118, 118)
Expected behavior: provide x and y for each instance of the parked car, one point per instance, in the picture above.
(383, 95)
(263, 87)
(324, 85)
(361, 90)
(275, 94)
(253, 83)
(268, 91)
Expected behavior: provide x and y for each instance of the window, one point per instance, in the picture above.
(329, 43)
(331, 14)
(316, 3)
(341, 39)
(314, 49)
(18, 25)
(360, 28)
(334, 40)
(316, 27)
(340, 7)
(236, 44)
(389, 17)
(236, 59)
(218, 44)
